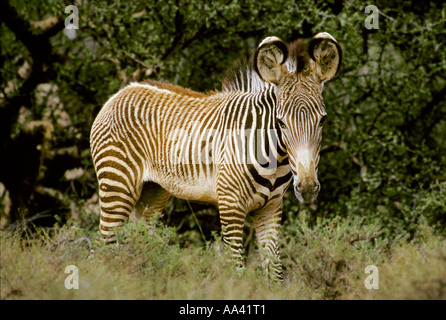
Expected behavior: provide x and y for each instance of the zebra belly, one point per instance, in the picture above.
(201, 190)
(199, 193)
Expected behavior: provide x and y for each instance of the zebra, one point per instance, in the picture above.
(238, 148)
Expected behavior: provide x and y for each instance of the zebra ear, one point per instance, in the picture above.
(269, 58)
(326, 54)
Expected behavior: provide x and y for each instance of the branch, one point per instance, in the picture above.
(179, 27)
(37, 44)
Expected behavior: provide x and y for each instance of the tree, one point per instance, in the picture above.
(383, 151)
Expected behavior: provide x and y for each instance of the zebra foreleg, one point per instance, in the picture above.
(267, 224)
(232, 223)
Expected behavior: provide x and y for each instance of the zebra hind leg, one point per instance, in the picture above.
(151, 203)
(117, 204)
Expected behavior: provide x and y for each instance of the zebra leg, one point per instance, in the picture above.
(151, 203)
(117, 202)
(267, 223)
(232, 223)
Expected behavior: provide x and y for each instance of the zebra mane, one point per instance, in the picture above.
(242, 76)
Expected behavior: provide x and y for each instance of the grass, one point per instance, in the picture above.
(322, 261)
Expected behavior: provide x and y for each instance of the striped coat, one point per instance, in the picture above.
(238, 148)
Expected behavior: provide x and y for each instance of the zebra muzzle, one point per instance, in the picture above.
(306, 185)
(307, 192)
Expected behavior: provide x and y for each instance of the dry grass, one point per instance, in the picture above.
(325, 261)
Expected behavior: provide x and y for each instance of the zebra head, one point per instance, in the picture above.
(299, 72)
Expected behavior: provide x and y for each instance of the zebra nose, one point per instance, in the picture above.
(307, 191)
(311, 185)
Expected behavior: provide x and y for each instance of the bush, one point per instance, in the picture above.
(324, 261)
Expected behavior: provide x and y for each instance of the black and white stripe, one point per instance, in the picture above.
(238, 148)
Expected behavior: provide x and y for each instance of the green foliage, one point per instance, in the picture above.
(331, 251)
(380, 149)
(326, 261)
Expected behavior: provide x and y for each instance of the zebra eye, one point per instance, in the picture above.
(281, 124)
(321, 122)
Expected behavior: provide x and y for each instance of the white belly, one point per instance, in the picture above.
(202, 193)
(200, 189)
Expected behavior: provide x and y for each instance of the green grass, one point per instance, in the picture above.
(322, 261)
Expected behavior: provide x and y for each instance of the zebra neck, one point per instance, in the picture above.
(265, 146)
